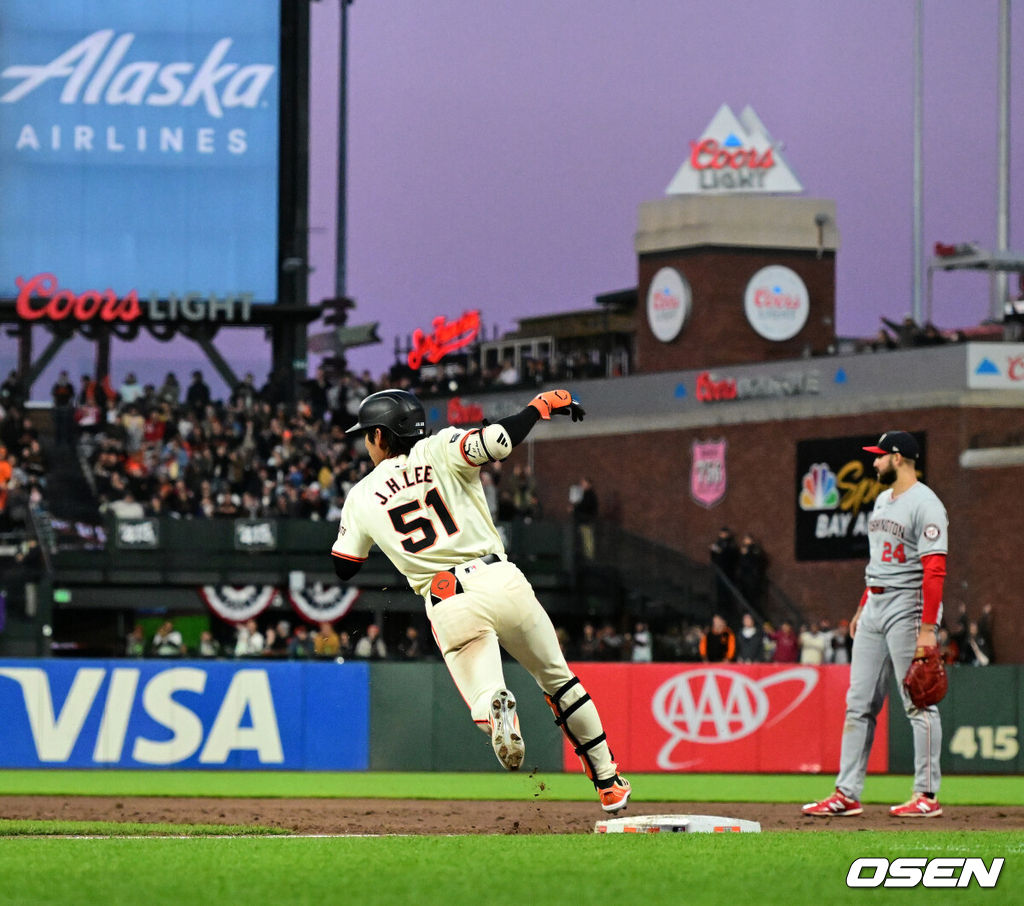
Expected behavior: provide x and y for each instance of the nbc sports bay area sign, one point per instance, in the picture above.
(835, 491)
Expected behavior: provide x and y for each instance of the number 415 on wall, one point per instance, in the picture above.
(996, 743)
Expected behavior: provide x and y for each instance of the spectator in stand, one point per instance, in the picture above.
(326, 642)
(949, 650)
(643, 644)
(590, 645)
(750, 641)
(135, 644)
(63, 395)
(724, 553)
(409, 647)
(170, 390)
(813, 645)
(7, 463)
(974, 650)
(842, 644)
(126, 507)
(197, 397)
(908, 331)
(718, 644)
(584, 506)
(883, 341)
(130, 390)
(301, 644)
(278, 645)
(787, 646)
(750, 570)
(609, 643)
(167, 641)
(509, 374)
(208, 645)
(371, 646)
(249, 640)
(12, 392)
(344, 645)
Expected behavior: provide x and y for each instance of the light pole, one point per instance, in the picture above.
(339, 261)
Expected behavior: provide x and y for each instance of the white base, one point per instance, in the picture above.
(675, 824)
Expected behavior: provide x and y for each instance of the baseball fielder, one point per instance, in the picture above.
(896, 619)
(423, 505)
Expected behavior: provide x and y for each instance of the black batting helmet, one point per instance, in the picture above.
(397, 410)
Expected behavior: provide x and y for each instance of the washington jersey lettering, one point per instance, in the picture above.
(407, 506)
(901, 532)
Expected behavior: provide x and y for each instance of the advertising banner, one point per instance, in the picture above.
(724, 718)
(992, 366)
(835, 492)
(184, 714)
(139, 148)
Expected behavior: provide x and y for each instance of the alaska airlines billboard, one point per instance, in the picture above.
(139, 146)
(184, 714)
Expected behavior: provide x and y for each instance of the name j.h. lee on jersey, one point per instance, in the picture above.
(420, 475)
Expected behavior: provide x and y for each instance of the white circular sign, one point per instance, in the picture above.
(777, 303)
(668, 304)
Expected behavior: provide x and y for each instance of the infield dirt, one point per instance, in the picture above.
(433, 817)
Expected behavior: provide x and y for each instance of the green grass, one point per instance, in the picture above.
(10, 827)
(956, 790)
(790, 868)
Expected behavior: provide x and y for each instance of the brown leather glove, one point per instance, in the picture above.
(926, 681)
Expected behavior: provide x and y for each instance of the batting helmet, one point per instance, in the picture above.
(397, 410)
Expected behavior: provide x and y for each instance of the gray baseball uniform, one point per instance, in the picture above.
(900, 532)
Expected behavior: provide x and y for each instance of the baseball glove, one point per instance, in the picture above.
(926, 680)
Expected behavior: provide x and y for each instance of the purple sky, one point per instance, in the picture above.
(498, 151)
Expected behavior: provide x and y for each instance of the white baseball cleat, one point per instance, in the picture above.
(506, 739)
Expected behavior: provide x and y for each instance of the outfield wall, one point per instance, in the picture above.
(326, 716)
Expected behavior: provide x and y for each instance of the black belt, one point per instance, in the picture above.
(446, 584)
(876, 589)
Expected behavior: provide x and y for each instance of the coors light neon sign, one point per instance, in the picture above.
(42, 298)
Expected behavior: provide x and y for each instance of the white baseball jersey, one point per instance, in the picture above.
(901, 532)
(426, 511)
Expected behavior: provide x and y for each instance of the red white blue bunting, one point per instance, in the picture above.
(318, 603)
(237, 604)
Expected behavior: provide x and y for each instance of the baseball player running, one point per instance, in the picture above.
(423, 505)
(897, 617)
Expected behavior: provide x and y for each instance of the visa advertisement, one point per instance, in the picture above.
(725, 718)
(139, 146)
(184, 714)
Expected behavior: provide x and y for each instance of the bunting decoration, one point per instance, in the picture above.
(317, 603)
(236, 604)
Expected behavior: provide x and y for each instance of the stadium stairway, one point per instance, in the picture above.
(69, 495)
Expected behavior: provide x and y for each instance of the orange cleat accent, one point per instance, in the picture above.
(615, 796)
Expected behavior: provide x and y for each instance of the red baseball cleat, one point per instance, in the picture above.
(837, 805)
(918, 806)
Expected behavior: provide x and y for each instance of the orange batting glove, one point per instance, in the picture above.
(559, 402)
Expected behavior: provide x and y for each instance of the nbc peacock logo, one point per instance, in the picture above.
(818, 490)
